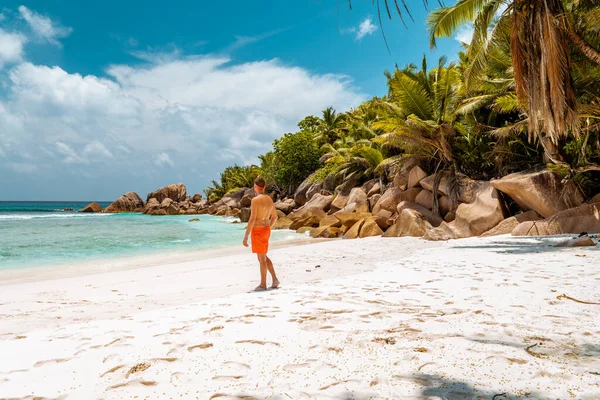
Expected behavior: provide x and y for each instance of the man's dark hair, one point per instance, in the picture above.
(260, 182)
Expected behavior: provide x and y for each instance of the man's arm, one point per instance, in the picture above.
(251, 221)
(274, 216)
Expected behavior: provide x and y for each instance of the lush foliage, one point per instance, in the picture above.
(492, 112)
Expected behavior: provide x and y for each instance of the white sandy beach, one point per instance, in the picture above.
(378, 319)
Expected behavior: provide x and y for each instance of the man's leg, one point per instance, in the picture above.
(272, 272)
(262, 259)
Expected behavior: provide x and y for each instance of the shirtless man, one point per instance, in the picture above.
(262, 218)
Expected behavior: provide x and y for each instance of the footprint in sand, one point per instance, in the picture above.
(53, 361)
(293, 367)
(200, 347)
(236, 365)
(260, 342)
(112, 370)
(227, 378)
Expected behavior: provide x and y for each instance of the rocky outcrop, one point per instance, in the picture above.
(151, 207)
(540, 190)
(428, 215)
(425, 198)
(310, 187)
(410, 222)
(506, 226)
(354, 231)
(176, 192)
(318, 201)
(283, 223)
(444, 187)
(415, 176)
(246, 200)
(582, 241)
(286, 206)
(370, 228)
(359, 198)
(244, 214)
(91, 208)
(129, 202)
(472, 219)
(585, 218)
(196, 198)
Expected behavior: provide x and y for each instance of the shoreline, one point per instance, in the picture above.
(25, 274)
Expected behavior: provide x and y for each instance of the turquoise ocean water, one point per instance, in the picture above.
(42, 233)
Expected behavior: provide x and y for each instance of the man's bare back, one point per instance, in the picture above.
(263, 208)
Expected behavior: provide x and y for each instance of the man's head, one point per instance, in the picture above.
(259, 185)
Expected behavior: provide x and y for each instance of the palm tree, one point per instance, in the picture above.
(331, 127)
(541, 53)
(420, 113)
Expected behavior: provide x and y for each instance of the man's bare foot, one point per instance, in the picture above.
(275, 284)
(260, 288)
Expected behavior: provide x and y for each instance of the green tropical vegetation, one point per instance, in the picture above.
(524, 92)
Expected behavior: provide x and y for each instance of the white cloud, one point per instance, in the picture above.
(164, 159)
(195, 114)
(365, 28)
(44, 27)
(71, 157)
(97, 149)
(464, 34)
(11, 47)
(22, 167)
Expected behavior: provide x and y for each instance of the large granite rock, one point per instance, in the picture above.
(129, 202)
(425, 198)
(176, 192)
(283, 223)
(428, 215)
(244, 214)
(348, 219)
(170, 207)
(330, 220)
(370, 228)
(319, 201)
(91, 208)
(354, 231)
(246, 199)
(286, 206)
(427, 183)
(472, 219)
(506, 226)
(151, 206)
(585, 218)
(394, 196)
(540, 190)
(373, 201)
(415, 176)
(410, 222)
(196, 198)
(359, 197)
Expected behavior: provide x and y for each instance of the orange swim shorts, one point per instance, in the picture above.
(260, 239)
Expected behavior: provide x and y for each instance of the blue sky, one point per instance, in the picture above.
(100, 98)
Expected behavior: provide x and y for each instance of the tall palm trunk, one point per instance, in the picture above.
(542, 64)
(583, 46)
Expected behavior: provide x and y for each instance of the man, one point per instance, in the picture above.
(262, 218)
